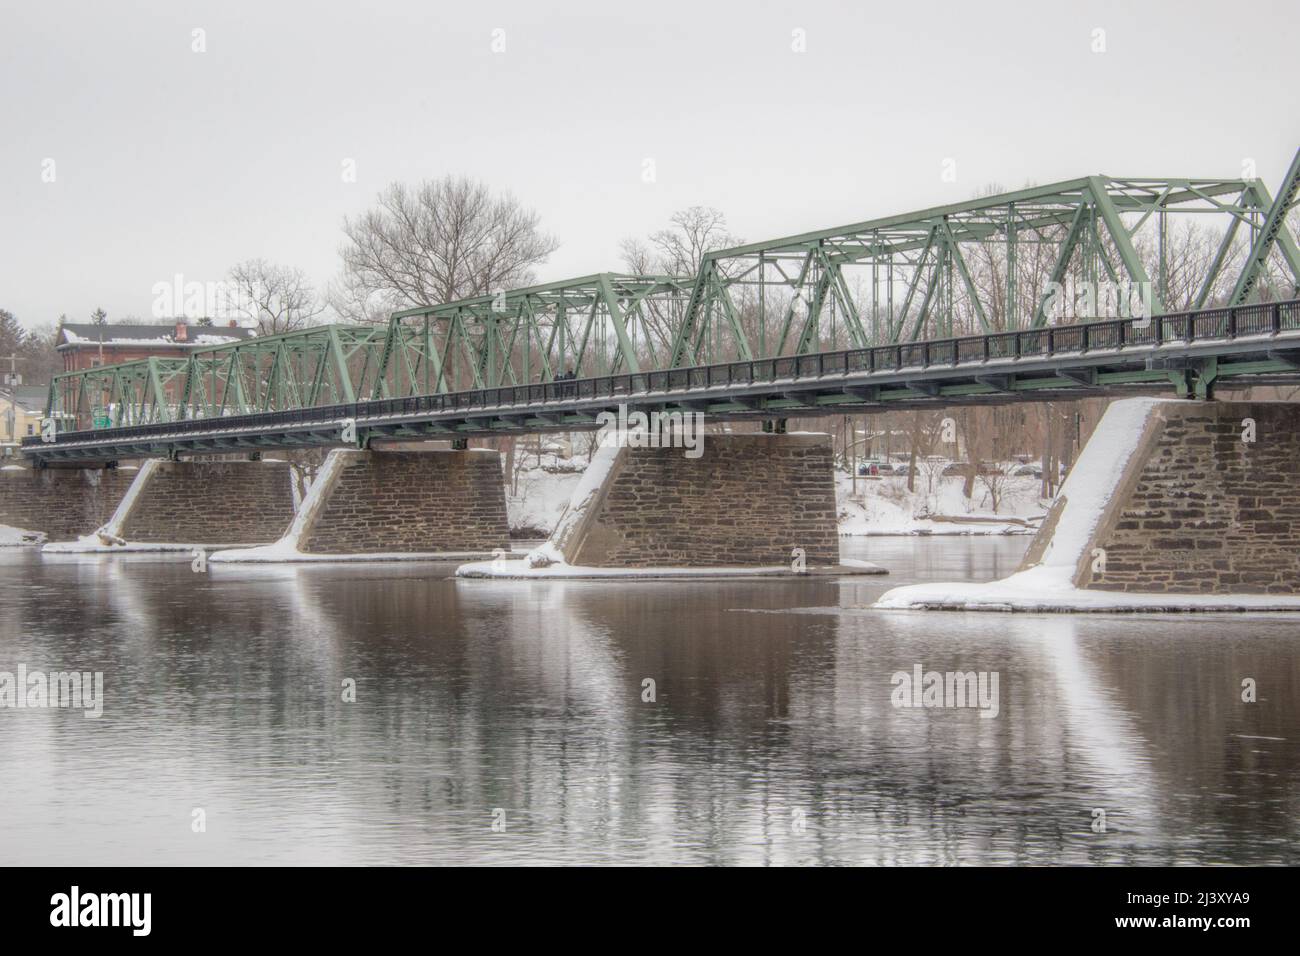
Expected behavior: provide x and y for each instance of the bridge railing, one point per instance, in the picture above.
(1110, 334)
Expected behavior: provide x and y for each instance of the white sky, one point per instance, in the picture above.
(169, 161)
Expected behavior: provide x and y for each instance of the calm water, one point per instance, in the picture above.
(223, 692)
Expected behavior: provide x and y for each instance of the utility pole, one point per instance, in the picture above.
(12, 381)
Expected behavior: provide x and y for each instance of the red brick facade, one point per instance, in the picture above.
(81, 349)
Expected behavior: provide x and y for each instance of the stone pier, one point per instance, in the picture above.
(61, 503)
(1173, 505)
(748, 500)
(208, 504)
(216, 503)
(425, 503)
(1210, 504)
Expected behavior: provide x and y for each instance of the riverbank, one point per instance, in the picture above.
(883, 505)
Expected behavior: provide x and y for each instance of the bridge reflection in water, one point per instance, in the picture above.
(772, 706)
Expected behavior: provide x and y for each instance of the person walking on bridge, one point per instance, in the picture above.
(566, 390)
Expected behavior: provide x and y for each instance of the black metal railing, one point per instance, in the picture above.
(1178, 328)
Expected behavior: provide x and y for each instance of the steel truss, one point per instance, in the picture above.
(595, 325)
(131, 393)
(320, 365)
(958, 268)
(973, 267)
(1192, 352)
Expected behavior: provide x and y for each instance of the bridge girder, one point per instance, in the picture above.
(314, 366)
(1191, 351)
(959, 268)
(972, 266)
(129, 393)
(595, 325)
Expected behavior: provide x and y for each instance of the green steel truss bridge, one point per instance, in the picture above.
(944, 306)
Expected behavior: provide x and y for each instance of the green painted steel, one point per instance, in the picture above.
(1274, 232)
(969, 267)
(1193, 352)
(131, 393)
(594, 325)
(955, 269)
(315, 366)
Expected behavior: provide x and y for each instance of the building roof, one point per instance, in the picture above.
(32, 397)
(87, 334)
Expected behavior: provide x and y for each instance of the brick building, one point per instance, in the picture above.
(85, 345)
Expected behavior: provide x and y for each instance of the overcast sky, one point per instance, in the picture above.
(172, 161)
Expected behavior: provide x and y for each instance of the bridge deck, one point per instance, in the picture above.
(1255, 344)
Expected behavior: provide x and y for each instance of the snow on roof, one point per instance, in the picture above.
(72, 333)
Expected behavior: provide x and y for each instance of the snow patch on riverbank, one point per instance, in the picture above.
(11, 537)
(877, 506)
(89, 544)
(539, 493)
(525, 570)
(1041, 589)
(884, 506)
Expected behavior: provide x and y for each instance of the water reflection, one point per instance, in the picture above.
(772, 709)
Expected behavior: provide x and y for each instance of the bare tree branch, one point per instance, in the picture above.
(279, 298)
(442, 240)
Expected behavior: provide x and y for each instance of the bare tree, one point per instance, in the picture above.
(996, 431)
(924, 430)
(679, 249)
(355, 303)
(442, 240)
(676, 251)
(279, 298)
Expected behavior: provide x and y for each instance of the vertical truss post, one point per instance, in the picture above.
(1274, 230)
(1123, 243)
(625, 348)
(1068, 243)
(341, 367)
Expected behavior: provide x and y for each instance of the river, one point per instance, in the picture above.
(511, 722)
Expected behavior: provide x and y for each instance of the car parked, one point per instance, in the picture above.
(962, 468)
